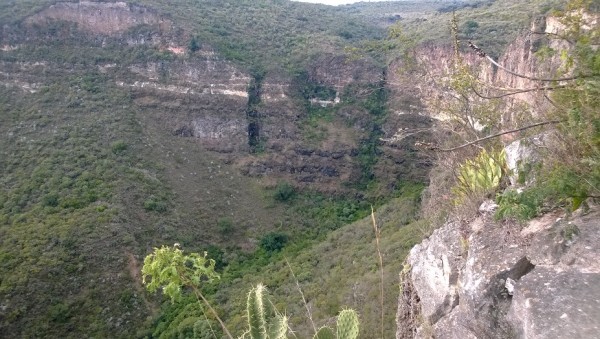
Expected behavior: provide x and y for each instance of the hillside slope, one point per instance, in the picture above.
(126, 126)
(119, 135)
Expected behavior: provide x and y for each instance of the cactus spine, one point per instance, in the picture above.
(264, 322)
(347, 325)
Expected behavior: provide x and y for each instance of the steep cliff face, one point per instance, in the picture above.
(429, 79)
(487, 279)
(110, 18)
(273, 132)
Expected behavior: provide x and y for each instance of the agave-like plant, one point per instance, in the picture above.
(481, 174)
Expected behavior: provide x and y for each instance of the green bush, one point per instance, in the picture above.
(51, 200)
(273, 242)
(154, 204)
(520, 206)
(284, 192)
(60, 313)
(225, 226)
(118, 146)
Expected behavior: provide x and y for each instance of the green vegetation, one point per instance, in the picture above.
(225, 226)
(268, 33)
(520, 206)
(70, 188)
(491, 25)
(170, 270)
(481, 175)
(92, 179)
(284, 192)
(273, 242)
(347, 327)
(568, 174)
(264, 321)
(119, 146)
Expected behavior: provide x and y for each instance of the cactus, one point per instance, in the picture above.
(347, 327)
(264, 322)
(324, 333)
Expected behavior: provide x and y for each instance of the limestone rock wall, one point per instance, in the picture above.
(483, 279)
(101, 17)
(428, 76)
(489, 280)
(260, 126)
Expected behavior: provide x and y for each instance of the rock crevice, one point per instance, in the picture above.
(542, 282)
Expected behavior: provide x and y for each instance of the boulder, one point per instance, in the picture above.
(499, 280)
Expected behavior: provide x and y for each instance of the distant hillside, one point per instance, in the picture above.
(214, 124)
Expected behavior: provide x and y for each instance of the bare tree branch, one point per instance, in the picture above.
(497, 135)
(517, 91)
(482, 54)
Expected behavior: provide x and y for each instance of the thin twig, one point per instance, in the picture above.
(208, 322)
(377, 236)
(497, 135)
(517, 91)
(481, 53)
(199, 294)
(302, 294)
(555, 35)
(530, 77)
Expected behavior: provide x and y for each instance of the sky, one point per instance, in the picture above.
(335, 2)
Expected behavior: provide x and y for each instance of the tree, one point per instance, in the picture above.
(169, 269)
(569, 106)
(193, 45)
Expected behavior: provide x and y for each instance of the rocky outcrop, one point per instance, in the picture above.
(108, 18)
(484, 279)
(429, 78)
(260, 124)
(339, 71)
(490, 280)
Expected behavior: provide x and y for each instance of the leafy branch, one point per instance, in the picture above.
(169, 269)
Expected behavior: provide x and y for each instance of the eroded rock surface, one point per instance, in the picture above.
(489, 280)
(100, 17)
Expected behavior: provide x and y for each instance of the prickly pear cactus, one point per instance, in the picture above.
(347, 325)
(324, 333)
(346, 328)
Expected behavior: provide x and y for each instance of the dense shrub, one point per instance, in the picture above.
(118, 146)
(155, 204)
(273, 242)
(225, 226)
(284, 192)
